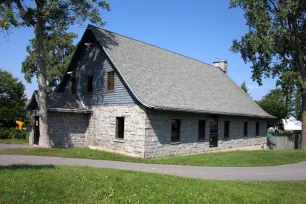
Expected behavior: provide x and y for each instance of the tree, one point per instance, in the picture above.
(41, 15)
(275, 44)
(275, 103)
(12, 100)
(58, 49)
(244, 87)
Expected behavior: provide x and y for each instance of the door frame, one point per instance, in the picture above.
(213, 132)
(36, 130)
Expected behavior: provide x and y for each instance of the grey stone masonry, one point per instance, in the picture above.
(147, 132)
(158, 133)
(68, 129)
(101, 132)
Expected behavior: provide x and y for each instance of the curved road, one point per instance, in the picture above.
(285, 172)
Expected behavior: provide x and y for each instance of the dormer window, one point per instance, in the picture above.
(90, 83)
(73, 86)
(110, 81)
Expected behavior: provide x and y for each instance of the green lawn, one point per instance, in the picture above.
(14, 141)
(53, 184)
(236, 158)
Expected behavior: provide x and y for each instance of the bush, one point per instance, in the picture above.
(12, 133)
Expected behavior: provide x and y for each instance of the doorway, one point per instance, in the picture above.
(213, 133)
(36, 130)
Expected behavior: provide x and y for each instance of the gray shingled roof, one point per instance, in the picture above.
(166, 80)
(61, 102)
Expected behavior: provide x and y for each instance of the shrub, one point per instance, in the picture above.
(12, 133)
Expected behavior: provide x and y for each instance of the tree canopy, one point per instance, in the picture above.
(244, 87)
(58, 49)
(275, 104)
(44, 16)
(275, 44)
(12, 100)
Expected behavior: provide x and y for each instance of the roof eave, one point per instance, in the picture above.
(213, 112)
(66, 110)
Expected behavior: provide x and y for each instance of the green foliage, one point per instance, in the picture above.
(12, 133)
(12, 101)
(19, 13)
(275, 104)
(58, 51)
(276, 41)
(235, 158)
(244, 87)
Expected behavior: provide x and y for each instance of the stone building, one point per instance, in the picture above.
(126, 96)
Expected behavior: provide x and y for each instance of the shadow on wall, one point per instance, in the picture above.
(161, 127)
(68, 129)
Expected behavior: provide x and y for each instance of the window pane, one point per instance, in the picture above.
(175, 130)
(120, 127)
(201, 130)
(110, 81)
(226, 129)
(257, 128)
(245, 132)
(90, 84)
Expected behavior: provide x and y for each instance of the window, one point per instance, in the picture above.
(110, 81)
(245, 129)
(120, 127)
(175, 130)
(226, 129)
(90, 83)
(73, 86)
(201, 130)
(257, 128)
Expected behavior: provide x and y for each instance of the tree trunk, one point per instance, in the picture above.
(44, 139)
(303, 146)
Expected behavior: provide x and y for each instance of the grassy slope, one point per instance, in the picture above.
(237, 158)
(53, 184)
(14, 141)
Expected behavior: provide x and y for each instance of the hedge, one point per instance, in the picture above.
(12, 133)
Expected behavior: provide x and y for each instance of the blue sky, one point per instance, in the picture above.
(203, 30)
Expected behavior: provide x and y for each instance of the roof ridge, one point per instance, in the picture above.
(89, 25)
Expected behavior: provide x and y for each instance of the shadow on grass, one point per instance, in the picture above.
(26, 166)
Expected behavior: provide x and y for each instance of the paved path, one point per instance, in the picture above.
(14, 146)
(285, 172)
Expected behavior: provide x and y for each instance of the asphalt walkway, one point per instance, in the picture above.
(14, 146)
(285, 172)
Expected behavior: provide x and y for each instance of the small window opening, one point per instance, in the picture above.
(120, 127)
(110, 81)
(245, 131)
(201, 130)
(90, 83)
(226, 129)
(257, 128)
(73, 86)
(175, 130)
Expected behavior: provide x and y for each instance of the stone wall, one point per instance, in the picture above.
(101, 132)
(68, 129)
(158, 134)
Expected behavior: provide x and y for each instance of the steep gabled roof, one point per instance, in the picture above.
(165, 80)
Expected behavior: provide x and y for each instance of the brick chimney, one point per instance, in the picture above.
(221, 64)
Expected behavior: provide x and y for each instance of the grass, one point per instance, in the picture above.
(236, 158)
(14, 141)
(65, 184)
